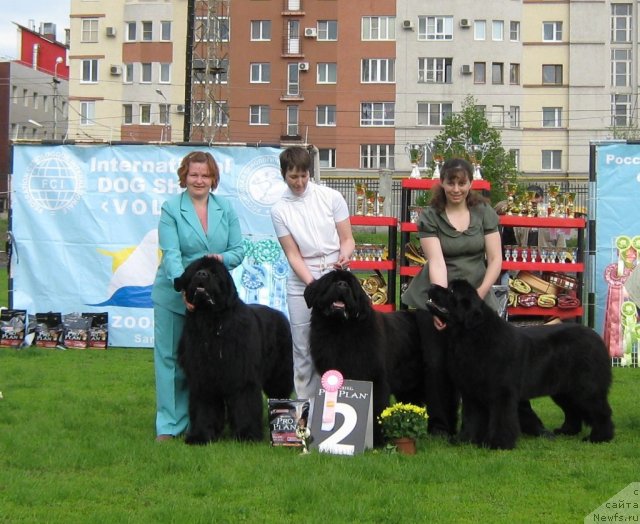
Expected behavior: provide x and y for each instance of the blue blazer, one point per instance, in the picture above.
(183, 240)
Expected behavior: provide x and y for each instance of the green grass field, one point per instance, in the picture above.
(77, 446)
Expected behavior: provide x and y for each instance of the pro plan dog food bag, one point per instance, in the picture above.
(98, 330)
(48, 330)
(12, 327)
(76, 331)
(284, 417)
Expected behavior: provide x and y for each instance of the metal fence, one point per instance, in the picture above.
(346, 186)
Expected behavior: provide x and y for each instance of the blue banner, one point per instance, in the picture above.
(84, 228)
(617, 272)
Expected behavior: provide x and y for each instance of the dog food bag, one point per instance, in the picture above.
(12, 327)
(76, 331)
(99, 330)
(284, 417)
(48, 330)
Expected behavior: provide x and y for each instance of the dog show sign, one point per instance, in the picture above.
(84, 228)
(342, 420)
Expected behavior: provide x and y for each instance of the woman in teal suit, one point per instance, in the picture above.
(193, 224)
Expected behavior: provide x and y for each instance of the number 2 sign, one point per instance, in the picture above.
(342, 420)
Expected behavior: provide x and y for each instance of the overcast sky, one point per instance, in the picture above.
(20, 12)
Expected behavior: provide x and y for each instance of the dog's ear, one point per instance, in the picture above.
(179, 283)
(310, 293)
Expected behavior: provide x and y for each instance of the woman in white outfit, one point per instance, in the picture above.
(313, 228)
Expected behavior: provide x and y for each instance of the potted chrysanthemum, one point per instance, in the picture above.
(402, 424)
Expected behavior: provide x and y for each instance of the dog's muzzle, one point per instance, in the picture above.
(201, 296)
(439, 311)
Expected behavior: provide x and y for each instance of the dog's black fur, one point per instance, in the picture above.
(230, 352)
(495, 364)
(349, 335)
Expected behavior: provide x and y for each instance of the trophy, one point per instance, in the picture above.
(380, 205)
(360, 193)
(561, 208)
(436, 170)
(371, 201)
(553, 191)
(477, 175)
(415, 155)
(511, 189)
(531, 204)
(571, 202)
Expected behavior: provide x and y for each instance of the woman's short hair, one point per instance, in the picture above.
(199, 157)
(294, 158)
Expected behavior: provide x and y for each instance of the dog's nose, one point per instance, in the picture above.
(342, 284)
(200, 275)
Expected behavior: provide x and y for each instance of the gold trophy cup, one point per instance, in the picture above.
(360, 194)
(371, 202)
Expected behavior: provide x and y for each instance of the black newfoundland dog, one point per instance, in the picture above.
(495, 364)
(347, 334)
(230, 352)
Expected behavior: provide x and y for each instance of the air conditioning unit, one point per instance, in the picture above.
(465, 69)
(303, 66)
(407, 24)
(180, 108)
(115, 70)
(464, 22)
(111, 31)
(310, 32)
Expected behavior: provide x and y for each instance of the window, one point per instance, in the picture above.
(130, 33)
(25, 97)
(127, 77)
(147, 31)
(220, 71)
(435, 28)
(620, 23)
(221, 114)
(165, 30)
(620, 110)
(378, 28)
(327, 157)
(377, 114)
(89, 30)
(145, 114)
(293, 79)
(327, 73)
(292, 120)
(514, 74)
(514, 31)
(497, 30)
(260, 30)
(293, 37)
(377, 156)
(145, 73)
(327, 30)
(127, 114)
(89, 71)
(217, 31)
(497, 116)
(201, 114)
(165, 113)
(326, 115)
(45, 103)
(433, 113)
(552, 74)
(551, 31)
(378, 70)
(259, 115)
(434, 70)
(479, 29)
(551, 117)
(87, 113)
(35, 100)
(479, 73)
(497, 73)
(14, 94)
(514, 116)
(621, 67)
(260, 73)
(165, 73)
(551, 160)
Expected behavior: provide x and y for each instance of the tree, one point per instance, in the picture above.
(469, 135)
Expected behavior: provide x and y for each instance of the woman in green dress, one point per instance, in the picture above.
(459, 235)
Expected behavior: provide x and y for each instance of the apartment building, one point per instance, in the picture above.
(360, 80)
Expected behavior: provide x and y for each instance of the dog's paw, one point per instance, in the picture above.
(196, 440)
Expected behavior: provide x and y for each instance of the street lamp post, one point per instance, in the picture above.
(55, 96)
(166, 132)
